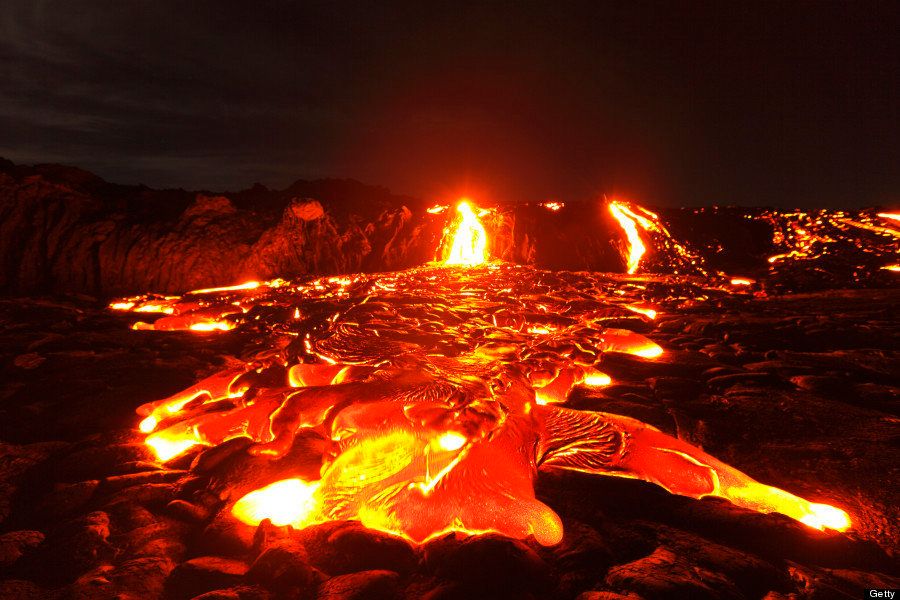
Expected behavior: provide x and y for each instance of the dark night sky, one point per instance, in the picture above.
(788, 104)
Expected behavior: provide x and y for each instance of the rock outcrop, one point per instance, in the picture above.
(64, 230)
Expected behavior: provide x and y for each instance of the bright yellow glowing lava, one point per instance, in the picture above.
(597, 379)
(539, 330)
(286, 502)
(469, 246)
(463, 454)
(250, 285)
(148, 424)
(628, 221)
(212, 326)
(824, 516)
(648, 351)
(451, 441)
(741, 281)
(642, 310)
(167, 448)
(629, 342)
(764, 498)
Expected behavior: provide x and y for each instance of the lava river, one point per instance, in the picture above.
(439, 395)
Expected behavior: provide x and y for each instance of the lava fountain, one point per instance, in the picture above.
(438, 393)
(468, 246)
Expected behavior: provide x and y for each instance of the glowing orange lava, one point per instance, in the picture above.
(250, 285)
(741, 281)
(469, 240)
(644, 230)
(287, 502)
(648, 312)
(812, 235)
(439, 395)
(628, 221)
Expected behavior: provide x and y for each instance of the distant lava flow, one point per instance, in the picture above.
(813, 234)
(643, 228)
(439, 393)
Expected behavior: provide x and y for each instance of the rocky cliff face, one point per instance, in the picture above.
(63, 230)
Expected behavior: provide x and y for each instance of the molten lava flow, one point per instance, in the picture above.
(803, 236)
(250, 285)
(438, 396)
(204, 310)
(287, 502)
(644, 228)
(628, 221)
(211, 326)
(168, 447)
(628, 342)
(648, 312)
(469, 240)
